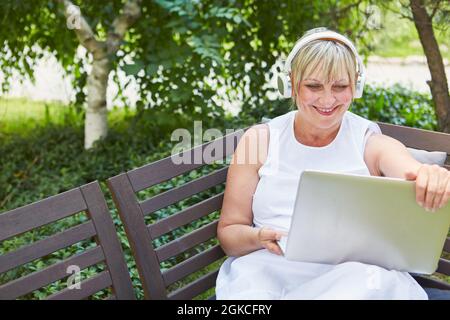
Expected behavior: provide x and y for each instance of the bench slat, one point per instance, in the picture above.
(138, 236)
(46, 246)
(107, 236)
(195, 288)
(186, 190)
(193, 264)
(40, 213)
(417, 138)
(185, 216)
(167, 168)
(444, 267)
(426, 282)
(187, 241)
(55, 272)
(447, 245)
(87, 288)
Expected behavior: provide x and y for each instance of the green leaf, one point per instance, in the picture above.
(133, 69)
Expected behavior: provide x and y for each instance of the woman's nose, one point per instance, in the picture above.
(327, 99)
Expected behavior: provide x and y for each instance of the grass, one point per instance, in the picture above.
(19, 116)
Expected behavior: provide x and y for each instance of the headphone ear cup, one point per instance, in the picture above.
(359, 88)
(284, 85)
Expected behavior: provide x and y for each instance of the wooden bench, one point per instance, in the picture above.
(87, 198)
(133, 212)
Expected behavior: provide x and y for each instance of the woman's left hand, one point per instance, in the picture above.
(432, 186)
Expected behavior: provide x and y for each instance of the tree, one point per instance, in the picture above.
(171, 48)
(428, 16)
(438, 84)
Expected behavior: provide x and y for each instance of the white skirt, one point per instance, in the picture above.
(263, 275)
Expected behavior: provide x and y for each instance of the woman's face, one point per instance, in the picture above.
(323, 103)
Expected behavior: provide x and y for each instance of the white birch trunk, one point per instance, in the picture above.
(96, 122)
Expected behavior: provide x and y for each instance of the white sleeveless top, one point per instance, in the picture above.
(273, 200)
(263, 275)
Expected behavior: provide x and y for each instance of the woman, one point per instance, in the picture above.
(264, 173)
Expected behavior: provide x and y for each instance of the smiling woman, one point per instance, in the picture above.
(323, 74)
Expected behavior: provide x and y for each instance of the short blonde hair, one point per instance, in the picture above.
(331, 58)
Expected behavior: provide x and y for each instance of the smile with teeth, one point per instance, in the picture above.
(325, 110)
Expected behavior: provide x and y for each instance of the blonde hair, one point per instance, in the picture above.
(330, 58)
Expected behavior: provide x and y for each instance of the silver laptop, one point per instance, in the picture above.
(375, 220)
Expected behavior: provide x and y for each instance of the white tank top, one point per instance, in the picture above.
(274, 197)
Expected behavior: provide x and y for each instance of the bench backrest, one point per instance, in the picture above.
(133, 212)
(87, 198)
(124, 188)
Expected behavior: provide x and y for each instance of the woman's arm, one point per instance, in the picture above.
(235, 232)
(388, 157)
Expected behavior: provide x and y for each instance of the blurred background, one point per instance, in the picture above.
(90, 89)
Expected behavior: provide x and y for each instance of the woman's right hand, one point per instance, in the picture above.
(268, 239)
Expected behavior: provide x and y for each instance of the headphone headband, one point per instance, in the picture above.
(321, 34)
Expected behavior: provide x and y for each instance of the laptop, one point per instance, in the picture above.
(374, 220)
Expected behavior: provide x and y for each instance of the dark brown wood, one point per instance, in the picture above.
(86, 198)
(139, 238)
(46, 246)
(40, 213)
(447, 245)
(444, 267)
(417, 138)
(55, 272)
(187, 241)
(427, 282)
(185, 216)
(167, 168)
(193, 264)
(87, 288)
(186, 190)
(196, 287)
(107, 237)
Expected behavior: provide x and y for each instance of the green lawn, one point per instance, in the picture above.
(21, 115)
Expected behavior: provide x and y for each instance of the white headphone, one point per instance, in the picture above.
(284, 80)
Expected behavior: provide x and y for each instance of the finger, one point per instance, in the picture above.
(432, 186)
(421, 185)
(443, 180)
(410, 176)
(261, 233)
(446, 196)
(281, 234)
(274, 248)
(268, 234)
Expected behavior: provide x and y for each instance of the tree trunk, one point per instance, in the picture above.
(96, 123)
(438, 83)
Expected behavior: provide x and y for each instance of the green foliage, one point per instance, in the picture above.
(397, 105)
(175, 45)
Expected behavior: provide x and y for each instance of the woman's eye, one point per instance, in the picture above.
(340, 87)
(313, 86)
